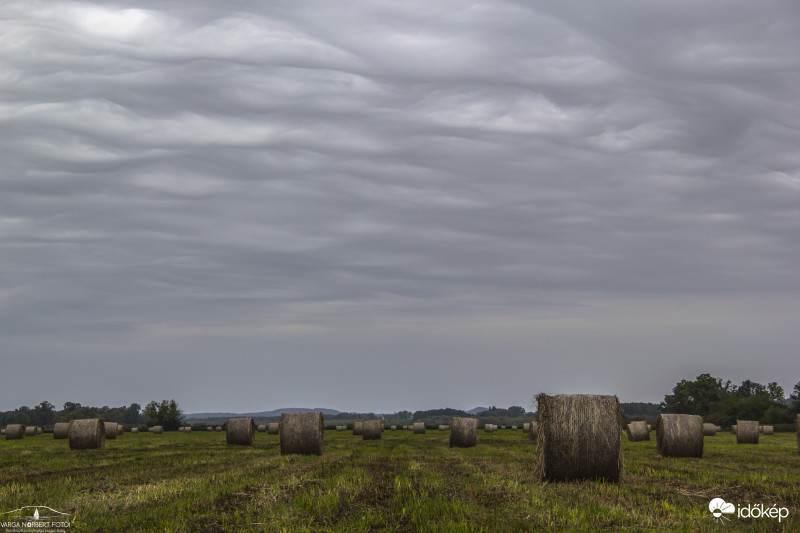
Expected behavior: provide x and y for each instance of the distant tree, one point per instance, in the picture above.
(516, 411)
(43, 414)
(776, 393)
(166, 413)
(795, 396)
(695, 397)
(132, 413)
(403, 415)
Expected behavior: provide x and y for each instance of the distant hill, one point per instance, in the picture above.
(262, 414)
(476, 410)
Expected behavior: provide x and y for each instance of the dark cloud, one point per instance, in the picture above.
(422, 196)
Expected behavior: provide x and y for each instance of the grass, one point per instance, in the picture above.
(403, 482)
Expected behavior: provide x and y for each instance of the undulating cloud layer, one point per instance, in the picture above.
(395, 205)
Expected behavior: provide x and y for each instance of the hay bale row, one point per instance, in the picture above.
(87, 434)
(463, 432)
(240, 431)
(709, 430)
(637, 431)
(15, 431)
(371, 429)
(419, 428)
(679, 435)
(746, 432)
(304, 433)
(61, 430)
(579, 437)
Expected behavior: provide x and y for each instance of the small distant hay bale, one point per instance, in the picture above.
(371, 429)
(87, 434)
(111, 430)
(717, 428)
(188, 429)
(502, 427)
(341, 428)
(134, 430)
(526, 426)
(463, 432)
(709, 430)
(2, 431)
(579, 437)
(39, 430)
(733, 429)
(489, 428)
(180, 429)
(358, 428)
(273, 428)
(649, 427)
(679, 435)
(392, 428)
(419, 428)
(746, 432)
(637, 431)
(218, 428)
(15, 431)
(304, 433)
(157, 430)
(61, 430)
(210, 428)
(241, 431)
(262, 428)
(30, 431)
(443, 427)
(768, 430)
(121, 429)
(533, 433)
(514, 428)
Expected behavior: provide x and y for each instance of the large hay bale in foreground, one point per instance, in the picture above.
(273, 428)
(111, 430)
(679, 435)
(87, 434)
(358, 428)
(304, 433)
(709, 430)
(240, 431)
(463, 432)
(579, 437)
(371, 429)
(419, 428)
(637, 431)
(30, 431)
(61, 430)
(746, 432)
(15, 431)
(533, 432)
(768, 430)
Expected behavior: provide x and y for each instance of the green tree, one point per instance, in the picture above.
(166, 413)
(695, 397)
(795, 396)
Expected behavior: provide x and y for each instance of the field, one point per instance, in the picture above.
(404, 482)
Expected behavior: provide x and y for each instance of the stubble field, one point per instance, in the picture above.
(403, 482)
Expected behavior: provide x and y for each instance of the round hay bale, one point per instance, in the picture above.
(489, 428)
(526, 426)
(746, 432)
(134, 430)
(2, 431)
(180, 429)
(210, 428)
(87, 434)
(649, 427)
(502, 427)
(709, 430)
(303, 433)
(157, 430)
(39, 430)
(61, 430)
(443, 427)
(717, 428)
(392, 428)
(218, 428)
(514, 428)
(15, 431)
(341, 428)
(188, 429)
(733, 429)
(358, 428)
(679, 435)
(121, 429)
(579, 437)
(371, 429)
(637, 431)
(241, 431)
(534, 431)
(111, 430)
(262, 428)
(30, 431)
(768, 430)
(463, 432)
(419, 428)
(273, 428)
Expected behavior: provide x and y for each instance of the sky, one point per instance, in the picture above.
(376, 206)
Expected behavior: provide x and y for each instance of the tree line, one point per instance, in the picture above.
(164, 413)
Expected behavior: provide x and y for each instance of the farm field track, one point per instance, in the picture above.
(403, 482)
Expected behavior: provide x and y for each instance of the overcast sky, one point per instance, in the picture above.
(395, 205)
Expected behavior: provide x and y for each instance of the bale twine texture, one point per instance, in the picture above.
(61, 430)
(709, 430)
(579, 437)
(240, 431)
(15, 431)
(87, 434)
(303, 433)
(679, 435)
(746, 432)
(463, 432)
(419, 428)
(371, 429)
(637, 431)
